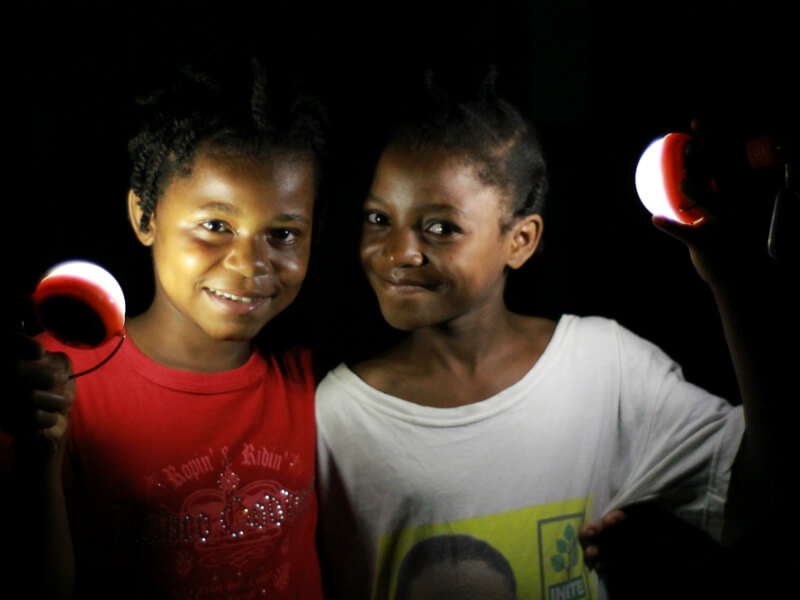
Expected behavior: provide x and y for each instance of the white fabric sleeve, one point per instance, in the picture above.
(677, 441)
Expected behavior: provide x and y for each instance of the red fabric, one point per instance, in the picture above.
(192, 485)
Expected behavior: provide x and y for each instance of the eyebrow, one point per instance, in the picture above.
(223, 207)
(233, 210)
(437, 206)
(372, 197)
(293, 218)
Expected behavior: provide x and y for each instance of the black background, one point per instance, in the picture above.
(600, 81)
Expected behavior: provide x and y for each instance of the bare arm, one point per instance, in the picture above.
(36, 414)
(754, 302)
(757, 306)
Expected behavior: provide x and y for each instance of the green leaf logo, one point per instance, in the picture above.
(558, 563)
(568, 549)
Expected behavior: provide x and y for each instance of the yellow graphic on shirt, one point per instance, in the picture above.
(529, 553)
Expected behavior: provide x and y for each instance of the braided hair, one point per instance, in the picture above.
(202, 113)
(485, 130)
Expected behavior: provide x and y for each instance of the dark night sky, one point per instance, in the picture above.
(598, 82)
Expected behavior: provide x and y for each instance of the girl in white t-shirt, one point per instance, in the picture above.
(455, 205)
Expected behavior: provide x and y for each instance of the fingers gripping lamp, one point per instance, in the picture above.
(662, 168)
(81, 304)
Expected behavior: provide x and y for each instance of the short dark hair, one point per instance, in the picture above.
(201, 111)
(484, 129)
(450, 549)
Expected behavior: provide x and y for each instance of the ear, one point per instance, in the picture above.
(525, 236)
(135, 217)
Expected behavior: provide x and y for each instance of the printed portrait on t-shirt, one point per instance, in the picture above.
(459, 566)
(531, 553)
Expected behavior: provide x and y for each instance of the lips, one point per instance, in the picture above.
(234, 297)
(238, 303)
(405, 286)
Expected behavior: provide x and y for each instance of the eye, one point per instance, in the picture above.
(376, 217)
(442, 228)
(215, 226)
(285, 235)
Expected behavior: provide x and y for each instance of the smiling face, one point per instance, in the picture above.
(433, 244)
(230, 244)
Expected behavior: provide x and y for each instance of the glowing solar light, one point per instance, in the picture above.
(659, 174)
(80, 304)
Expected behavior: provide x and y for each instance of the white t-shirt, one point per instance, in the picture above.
(604, 419)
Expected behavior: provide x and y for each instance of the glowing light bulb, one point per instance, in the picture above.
(658, 178)
(80, 304)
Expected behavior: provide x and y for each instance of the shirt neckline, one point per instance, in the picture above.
(406, 410)
(192, 381)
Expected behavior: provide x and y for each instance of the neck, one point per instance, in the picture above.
(466, 345)
(176, 350)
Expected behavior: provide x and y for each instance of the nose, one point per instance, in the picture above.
(249, 256)
(402, 248)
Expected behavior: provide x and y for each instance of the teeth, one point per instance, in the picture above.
(233, 297)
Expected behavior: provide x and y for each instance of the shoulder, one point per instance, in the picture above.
(295, 365)
(596, 330)
(341, 380)
(599, 344)
(337, 394)
(568, 333)
(536, 331)
(392, 364)
(588, 325)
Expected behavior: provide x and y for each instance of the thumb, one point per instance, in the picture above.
(690, 234)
